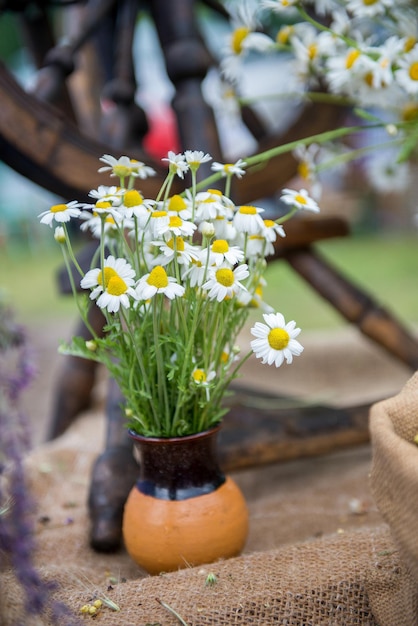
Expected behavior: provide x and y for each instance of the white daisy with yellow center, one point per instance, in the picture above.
(104, 192)
(223, 282)
(221, 252)
(177, 226)
(275, 340)
(60, 213)
(248, 220)
(112, 283)
(230, 169)
(407, 74)
(176, 247)
(158, 282)
(202, 377)
(158, 223)
(299, 199)
(177, 205)
(176, 163)
(122, 167)
(195, 158)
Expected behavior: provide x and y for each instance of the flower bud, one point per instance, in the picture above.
(59, 234)
(207, 229)
(91, 345)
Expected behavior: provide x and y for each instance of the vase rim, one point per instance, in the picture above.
(199, 435)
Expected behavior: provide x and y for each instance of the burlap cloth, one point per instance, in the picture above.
(318, 551)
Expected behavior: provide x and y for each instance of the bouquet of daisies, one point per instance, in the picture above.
(175, 278)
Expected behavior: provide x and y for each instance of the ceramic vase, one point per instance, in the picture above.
(183, 511)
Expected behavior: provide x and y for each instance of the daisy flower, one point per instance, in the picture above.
(60, 213)
(158, 223)
(195, 158)
(229, 169)
(121, 167)
(224, 282)
(140, 170)
(275, 340)
(196, 272)
(179, 227)
(272, 229)
(258, 246)
(208, 206)
(248, 220)
(279, 6)
(184, 252)
(299, 199)
(221, 252)
(157, 281)
(407, 74)
(177, 163)
(104, 192)
(177, 205)
(112, 285)
(93, 223)
(201, 377)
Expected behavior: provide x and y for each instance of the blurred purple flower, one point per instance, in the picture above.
(16, 507)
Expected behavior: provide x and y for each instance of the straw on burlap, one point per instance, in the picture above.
(318, 552)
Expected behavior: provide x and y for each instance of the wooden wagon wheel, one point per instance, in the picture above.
(43, 138)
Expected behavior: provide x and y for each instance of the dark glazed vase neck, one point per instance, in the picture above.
(180, 467)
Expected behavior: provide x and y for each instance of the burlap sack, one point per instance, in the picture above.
(394, 476)
(318, 553)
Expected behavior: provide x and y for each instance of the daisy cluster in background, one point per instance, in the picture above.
(175, 277)
(361, 54)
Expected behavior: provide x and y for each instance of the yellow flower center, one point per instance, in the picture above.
(299, 198)
(312, 51)
(269, 223)
(122, 171)
(110, 220)
(248, 210)
(410, 112)
(224, 357)
(175, 221)
(238, 37)
(58, 208)
(177, 203)
(199, 375)
(284, 34)
(409, 44)
(351, 58)
(116, 286)
(157, 214)
(220, 245)
(368, 79)
(109, 273)
(304, 170)
(158, 277)
(103, 204)
(179, 244)
(132, 198)
(225, 277)
(215, 192)
(369, 2)
(413, 71)
(278, 338)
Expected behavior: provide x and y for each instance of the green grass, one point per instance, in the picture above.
(385, 266)
(28, 283)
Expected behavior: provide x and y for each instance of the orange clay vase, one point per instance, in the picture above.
(183, 511)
